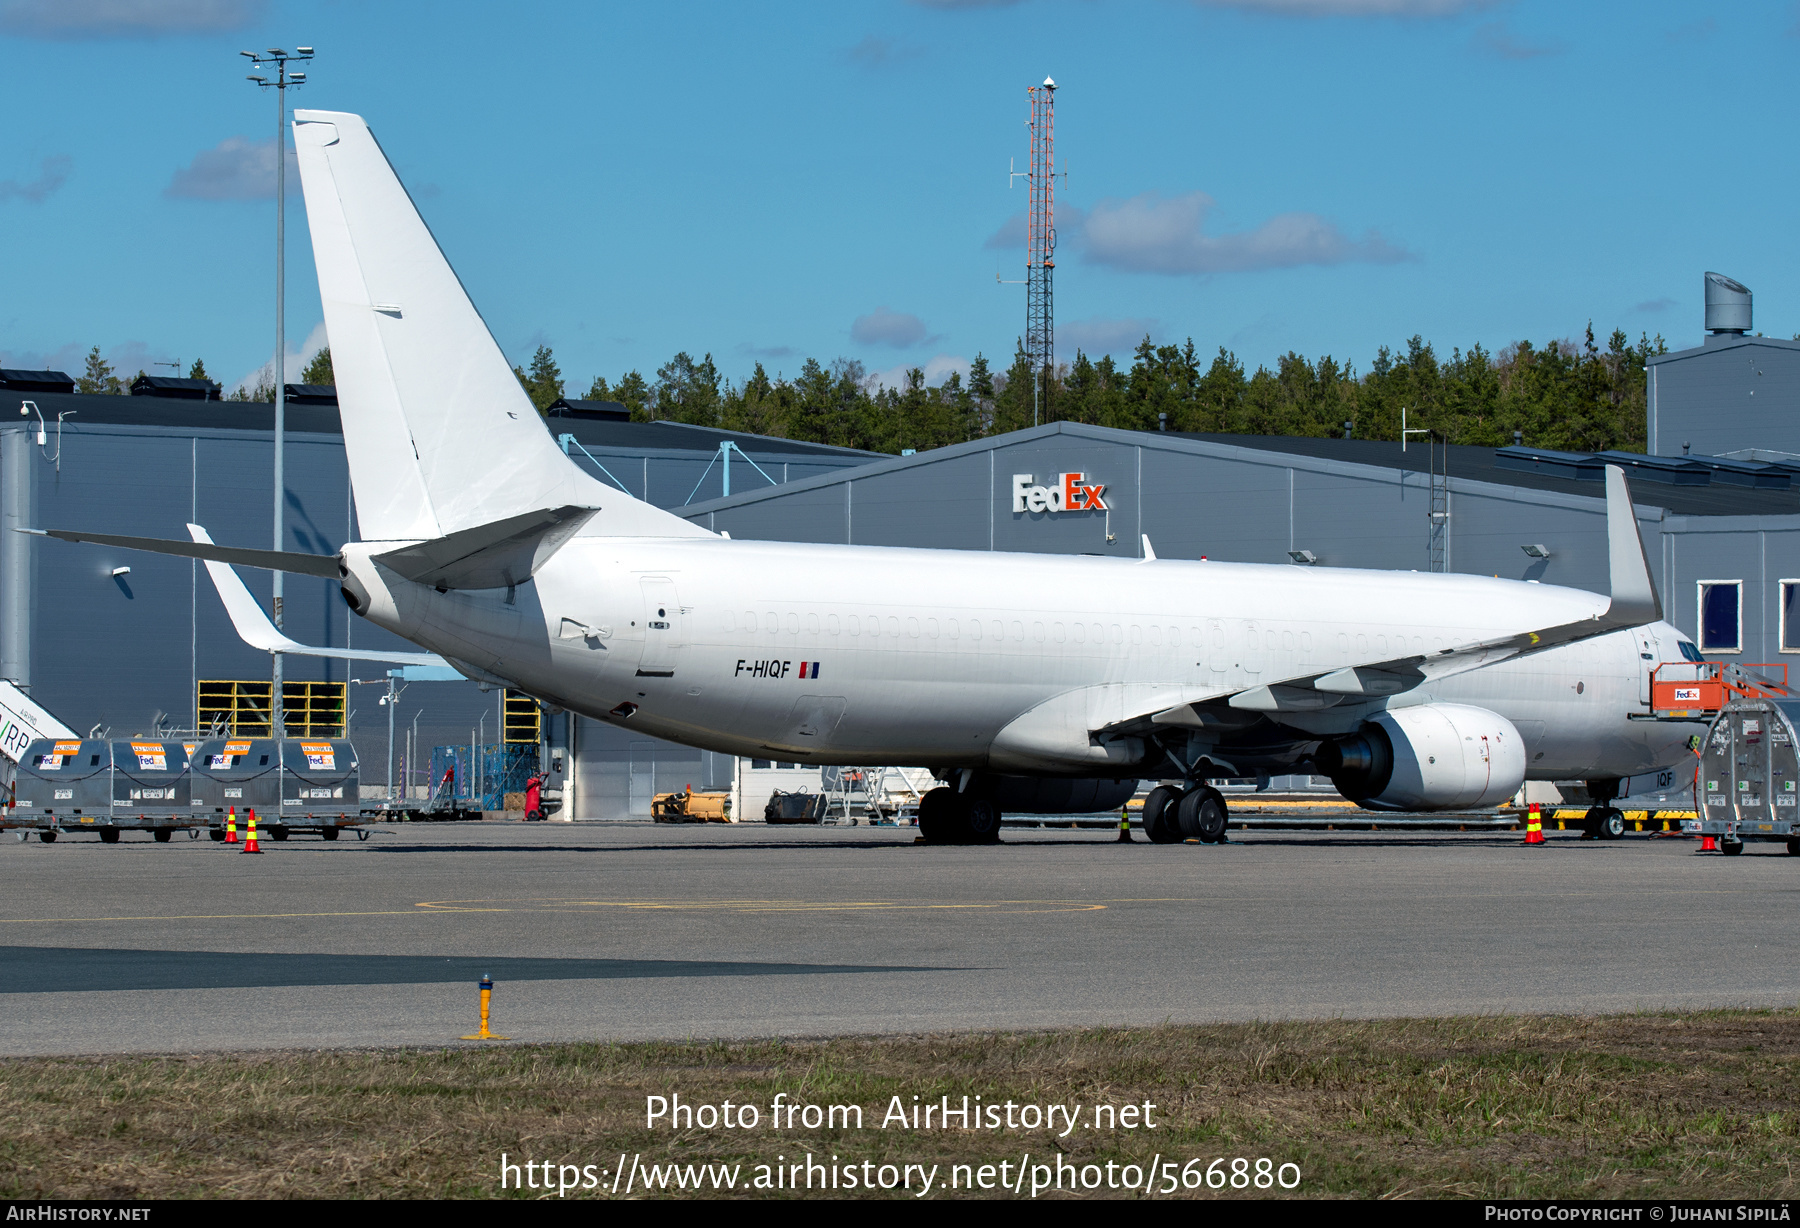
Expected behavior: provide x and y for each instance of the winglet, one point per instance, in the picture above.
(1634, 598)
(255, 629)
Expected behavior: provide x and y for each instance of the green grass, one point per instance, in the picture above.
(1668, 1106)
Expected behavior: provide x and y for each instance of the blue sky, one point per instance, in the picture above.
(773, 181)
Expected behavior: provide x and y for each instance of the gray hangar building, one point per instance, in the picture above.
(1717, 496)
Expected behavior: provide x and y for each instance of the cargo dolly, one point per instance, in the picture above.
(1746, 788)
(103, 787)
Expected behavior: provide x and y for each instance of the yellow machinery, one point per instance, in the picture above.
(690, 807)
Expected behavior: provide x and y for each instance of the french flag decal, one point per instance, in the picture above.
(809, 669)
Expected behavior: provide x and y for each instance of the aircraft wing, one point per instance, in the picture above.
(255, 629)
(1634, 603)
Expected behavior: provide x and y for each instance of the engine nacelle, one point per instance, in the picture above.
(1432, 757)
(1054, 794)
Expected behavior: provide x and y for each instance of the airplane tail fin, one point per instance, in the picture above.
(439, 434)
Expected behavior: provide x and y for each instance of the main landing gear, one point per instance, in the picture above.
(1196, 812)
(949, 817)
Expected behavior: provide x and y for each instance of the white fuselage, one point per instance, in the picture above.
(1007, 661)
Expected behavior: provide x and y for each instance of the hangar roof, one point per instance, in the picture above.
(1483, 465)
(1466, 463)
(323, 419)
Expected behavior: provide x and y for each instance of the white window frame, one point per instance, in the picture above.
(1700, 587)
(1781, 587)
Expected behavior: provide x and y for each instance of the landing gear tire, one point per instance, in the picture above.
(1201, 815)
(982, 821)
(163, 835)
(1161, 822)
(1731, 848)
(109, 835)
(1611, 825)
(938, 817)
(949, 817)
(47, 837)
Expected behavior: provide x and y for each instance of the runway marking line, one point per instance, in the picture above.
(554, 904)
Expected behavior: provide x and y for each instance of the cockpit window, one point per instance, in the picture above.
(1690, 652)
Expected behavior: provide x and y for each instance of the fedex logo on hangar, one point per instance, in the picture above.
(1069, 493)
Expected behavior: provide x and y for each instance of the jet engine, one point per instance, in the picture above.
(1432, 757)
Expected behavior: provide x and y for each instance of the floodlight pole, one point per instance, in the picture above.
(279, 59)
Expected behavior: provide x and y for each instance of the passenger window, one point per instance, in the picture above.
(1721, 616)
(812, 624)
(834, 624)
(759, 763)
(855, 625)
(931, 629)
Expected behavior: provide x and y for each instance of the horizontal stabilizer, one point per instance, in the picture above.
(255, 629)
(496, 555)
(269, 560)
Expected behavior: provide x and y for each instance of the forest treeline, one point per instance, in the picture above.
(1572, 395)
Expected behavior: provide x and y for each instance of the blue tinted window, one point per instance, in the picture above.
(1790, 619)
(1689, 652)
(1719, 618)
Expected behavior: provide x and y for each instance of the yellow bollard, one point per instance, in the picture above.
(487, 991)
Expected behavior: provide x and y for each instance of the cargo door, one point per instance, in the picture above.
(1647, 661)
(662, 629)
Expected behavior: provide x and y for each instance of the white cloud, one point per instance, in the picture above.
(1494, 38)
(295, 363)
(874, 51)
(126, 358)
(1096, 335)
(1154, 234)
(237, 168)
(936, 372)
(78, 19)
(886, 327)
(53, 172)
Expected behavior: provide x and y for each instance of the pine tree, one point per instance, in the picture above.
(318, 371)
(98, 378)
(198, 370)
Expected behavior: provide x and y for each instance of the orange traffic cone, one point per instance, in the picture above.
(1708, 845)
(231, 826)
(1534, 825)
(250, 845)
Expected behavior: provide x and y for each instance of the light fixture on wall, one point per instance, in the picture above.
(1305, 558)
(120, 571)
(1537, 552)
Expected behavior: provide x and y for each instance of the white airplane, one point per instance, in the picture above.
(1027, 682)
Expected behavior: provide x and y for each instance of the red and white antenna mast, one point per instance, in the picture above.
(1040, 248)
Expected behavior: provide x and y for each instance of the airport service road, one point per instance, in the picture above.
(635, 931)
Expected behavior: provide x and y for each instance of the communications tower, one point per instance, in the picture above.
(1040, 249)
